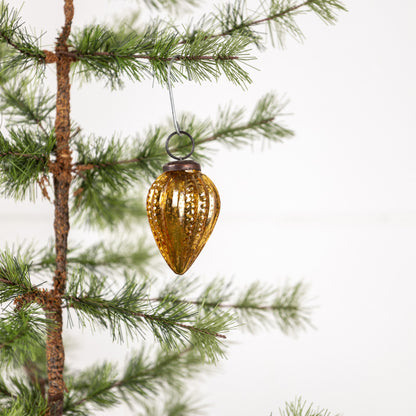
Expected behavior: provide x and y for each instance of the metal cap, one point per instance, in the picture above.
(181, 165)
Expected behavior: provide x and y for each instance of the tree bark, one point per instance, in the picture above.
(61, 171)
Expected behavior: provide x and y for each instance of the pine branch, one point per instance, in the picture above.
(300, 408)
(218, 45)
(233, 15)
(264, 123)
(171, 5)
(144, 377)
(17, 37)
(24, 160)
(36, 372)
(102, 198)
(14, 278)
(79, 56)
(22, 103)
(100, 258)
(279, 18)
(109, 210)
(128, 310)
(259, 305)
(22, 334)
(20, 399)
(5, 393)
(109, 54)
(177, 403)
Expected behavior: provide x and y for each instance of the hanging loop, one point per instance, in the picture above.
(178, 130)
(172, 101)
(180, 133)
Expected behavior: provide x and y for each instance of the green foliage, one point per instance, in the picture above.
(103, 188)
(25, 52)
(128, 312)
(175, 404)
(300, 408)
(232, 130)
(171, 5)
(24, 158)
(17, 399)
(111, 54)
(14, 277)
(23, 102)
(22, 334)
(217, 45)
(259, 305)
(145, 376)
(279, 18)
(102, 257)
(286, 306)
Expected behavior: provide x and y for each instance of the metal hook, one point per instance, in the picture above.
(178, 131)
(172, 101)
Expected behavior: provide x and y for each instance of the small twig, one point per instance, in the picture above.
(16, 46)
(121, 382)
(43, 182)
(188, 327)
(13, 340)
(35, 379)
(223, 305)
(7, 393)
(149, 317)
(40, 125)
(238, 128)
(76, 55)
(89, 166)
(37, 121)
(10, 283)
(268, 18)
(257, 22)
(29, 156)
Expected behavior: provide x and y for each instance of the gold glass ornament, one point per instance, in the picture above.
(182, 206)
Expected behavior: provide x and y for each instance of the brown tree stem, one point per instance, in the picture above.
(55, 353)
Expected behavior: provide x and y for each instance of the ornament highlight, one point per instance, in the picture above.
(182, 207)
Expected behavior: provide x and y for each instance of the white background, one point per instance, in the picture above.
(335, 207)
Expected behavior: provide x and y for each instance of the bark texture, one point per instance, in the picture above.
(61, 170)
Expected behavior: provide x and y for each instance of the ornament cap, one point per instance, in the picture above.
(181, 165)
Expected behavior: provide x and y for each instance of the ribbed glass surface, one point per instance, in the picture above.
(182, 207)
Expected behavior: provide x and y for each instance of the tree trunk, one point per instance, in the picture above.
(61, 170)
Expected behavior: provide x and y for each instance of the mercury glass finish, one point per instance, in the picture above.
(182, 207)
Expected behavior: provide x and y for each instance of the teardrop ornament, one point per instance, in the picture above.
(182, 207)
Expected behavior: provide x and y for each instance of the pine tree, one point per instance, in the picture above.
(44, 154)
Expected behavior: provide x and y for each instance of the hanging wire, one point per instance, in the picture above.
(178, 130)
(172, 101)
